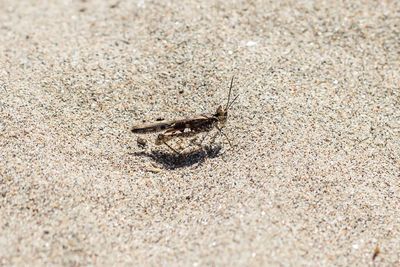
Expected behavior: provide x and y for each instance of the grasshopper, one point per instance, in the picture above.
(188, 127)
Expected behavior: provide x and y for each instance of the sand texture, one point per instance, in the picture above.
(314, 175)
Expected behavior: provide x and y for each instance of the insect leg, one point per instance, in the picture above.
(220, 130)
(170, 147)
(163, 139)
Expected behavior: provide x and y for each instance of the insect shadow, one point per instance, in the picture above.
(173, 161)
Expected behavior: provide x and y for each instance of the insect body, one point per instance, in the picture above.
(187, 127)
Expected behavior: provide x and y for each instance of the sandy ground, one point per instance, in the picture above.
(314, 176)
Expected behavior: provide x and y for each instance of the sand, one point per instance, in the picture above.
(314, 175)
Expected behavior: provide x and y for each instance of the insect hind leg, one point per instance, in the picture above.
(162, 139)
(170, 147)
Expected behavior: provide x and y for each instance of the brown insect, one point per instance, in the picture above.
(188, 127)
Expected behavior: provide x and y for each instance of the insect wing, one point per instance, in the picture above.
(152, 127)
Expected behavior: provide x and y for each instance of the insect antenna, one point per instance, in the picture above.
(229, 94)
(229, 104)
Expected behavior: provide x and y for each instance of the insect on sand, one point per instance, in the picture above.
(188, 127)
